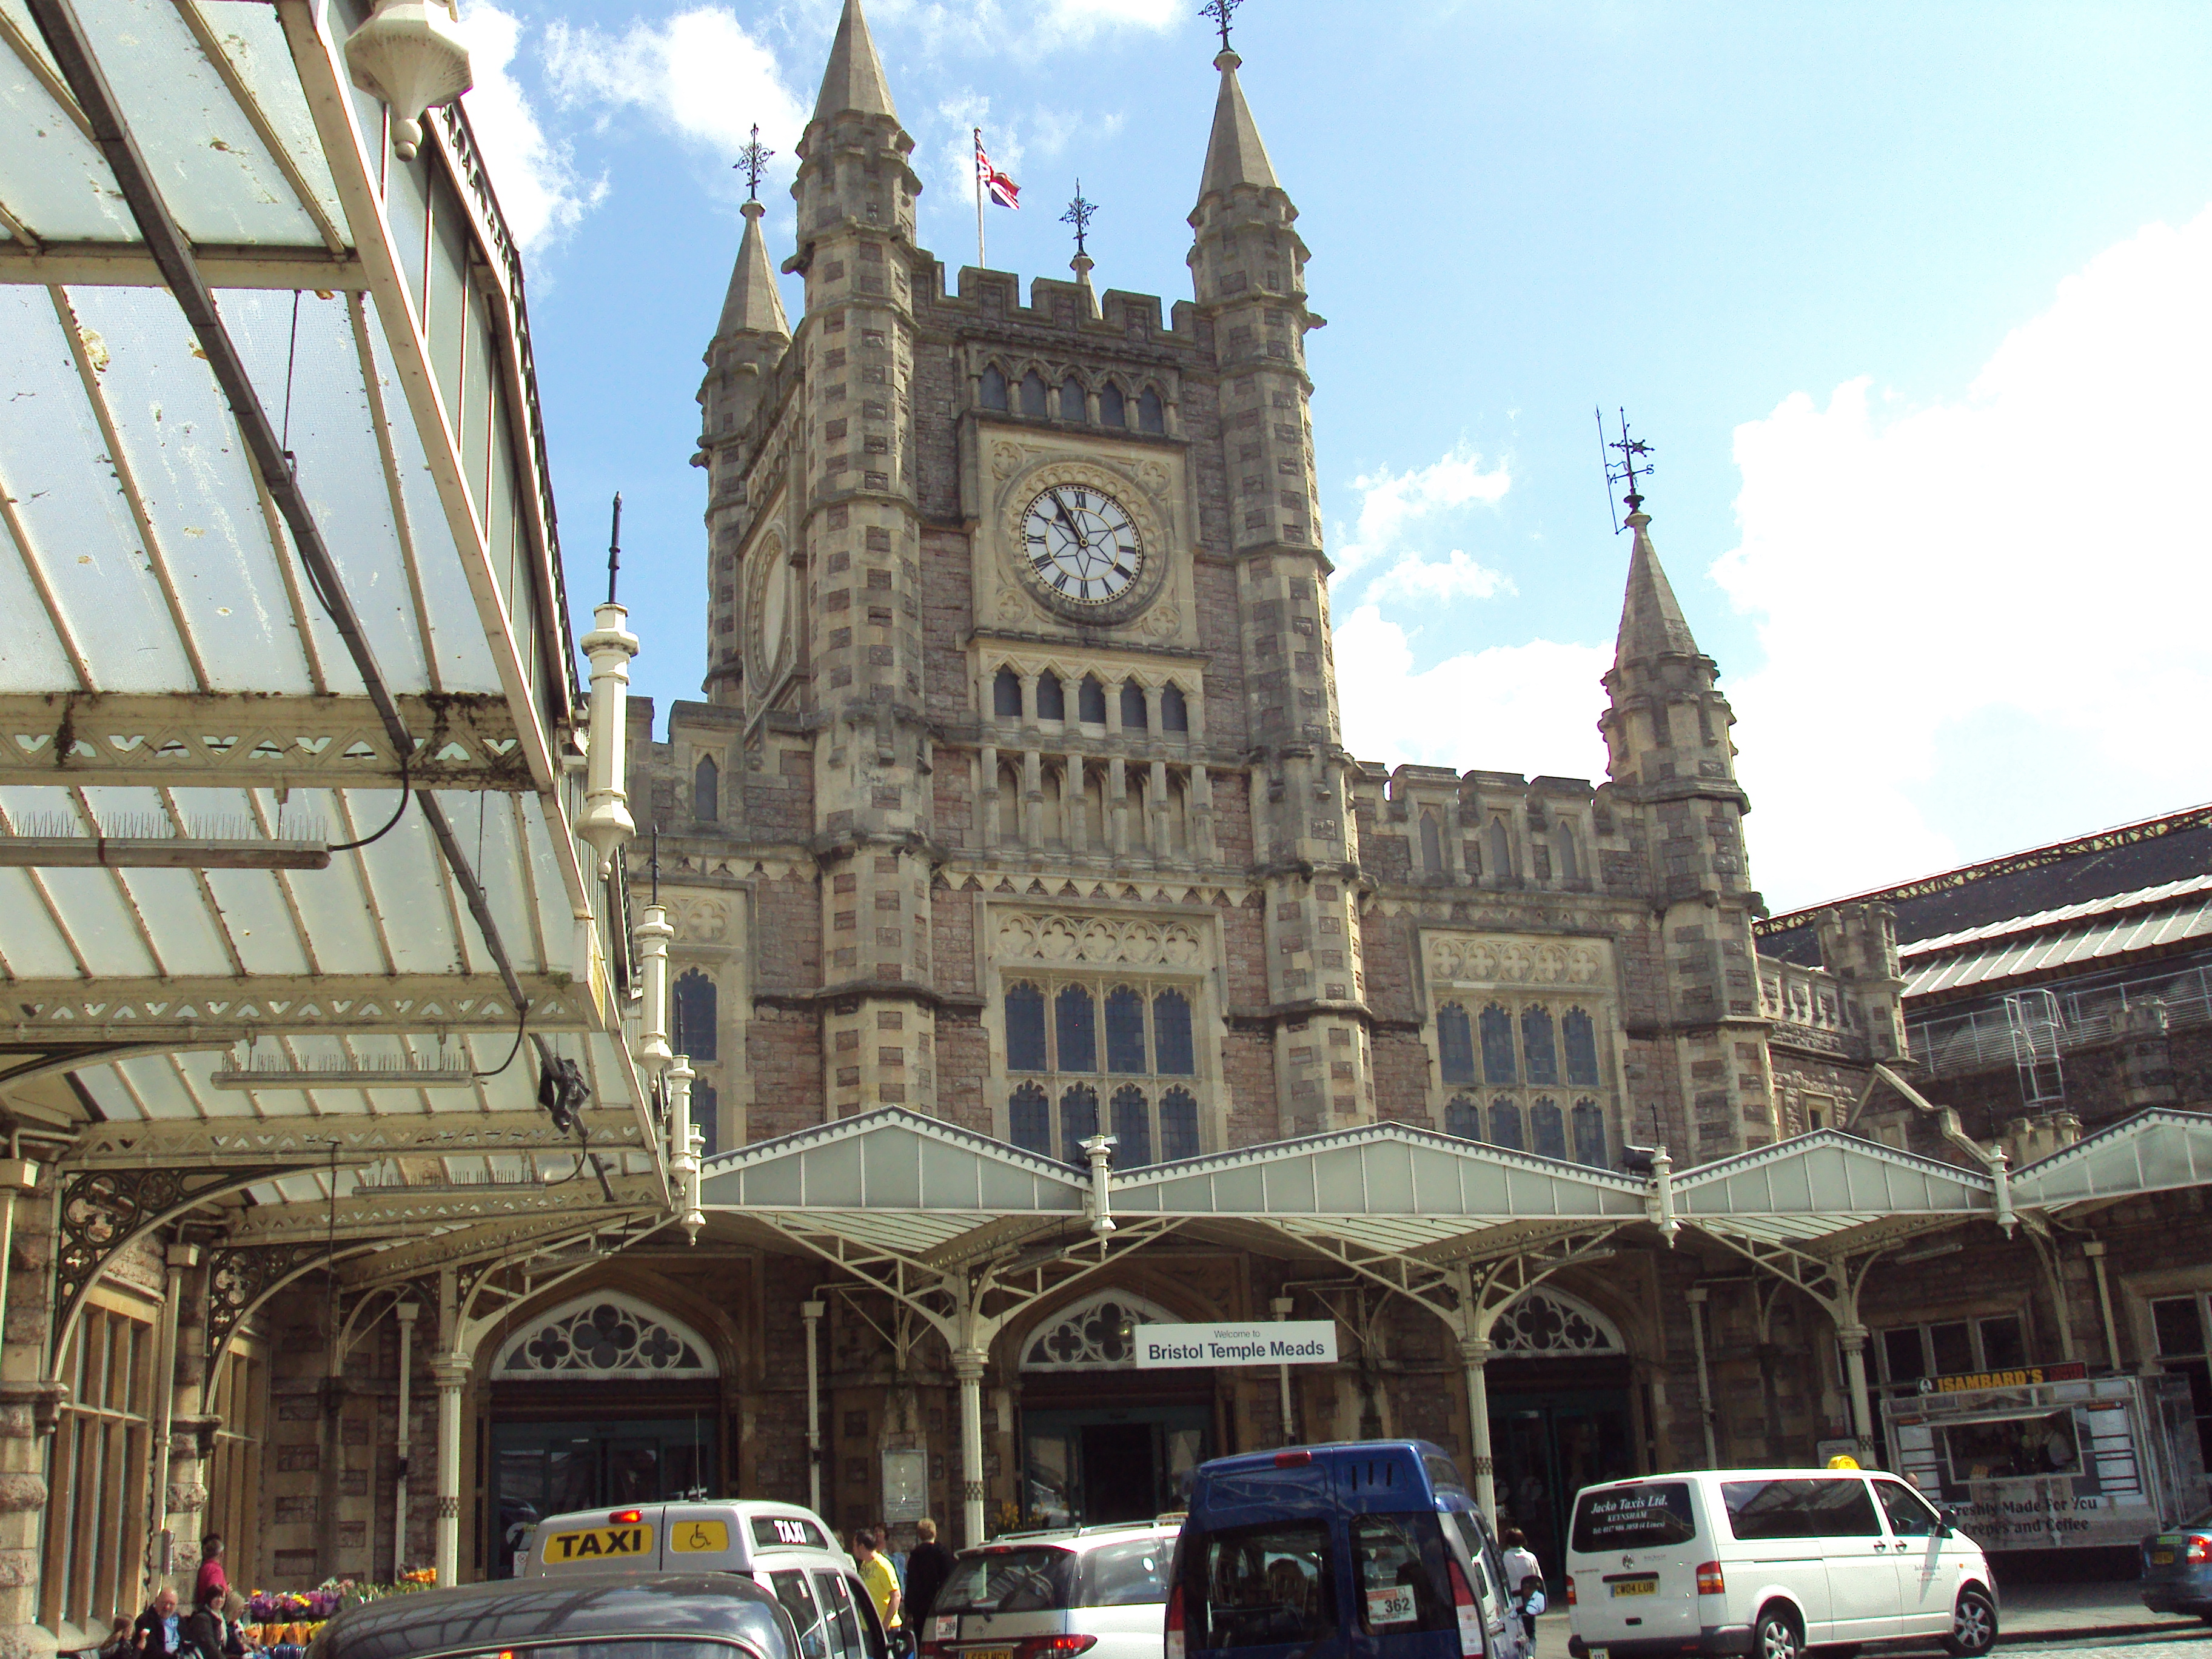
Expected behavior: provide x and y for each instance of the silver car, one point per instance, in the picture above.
(1097, 1591)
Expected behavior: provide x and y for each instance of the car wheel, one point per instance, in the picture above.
(1775, 1637)
(1973, 1625)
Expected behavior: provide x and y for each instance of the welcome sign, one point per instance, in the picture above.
(1287, 1342)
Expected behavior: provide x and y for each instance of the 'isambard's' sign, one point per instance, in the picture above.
(1291, 1342)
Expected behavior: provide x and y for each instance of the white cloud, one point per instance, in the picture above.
(1984, 618)
(1026, 29)
(1393, 505)
(535, 178)
(701, 74)
(1416, 580)
(1531, 709)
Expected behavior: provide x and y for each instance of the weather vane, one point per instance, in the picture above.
(1078, 214)
(1220, 11)
(1635, 463)
(751, 158)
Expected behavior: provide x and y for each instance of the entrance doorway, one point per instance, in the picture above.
(1548, 1447)
(550, 1468)
(1090, 1465)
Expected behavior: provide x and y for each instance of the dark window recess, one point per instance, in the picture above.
(1549, 1129)
(1052, 698)
(1501, 849)
(2180, 1332)
(707, 1117)
(1454, 1044)
(1463, 1118)
(1073, 406)
(1125, 1029)
(1589, 1134)
(1090, 701)
(1151, 414)
(1580, 1031)
(695, 1015)
(1035, 401)
(1497, 1046)
(1078, 1121)
(995, 387)
(1132, 706)
(2002, 1347)
(1133, 1128)
(1006, 695)
(1178, 1125)
(1175, 712)
(1111, 411)
(1025, 1028)
(1505, 1125)
(1432, 846)
(1078, 1028)
(1267, 1586)
(1171, 1036)
(1902, 1355)
(1028, 1119)
(1953, 1347)
(1642, 1517)
(707, 789)
(1536, 1045)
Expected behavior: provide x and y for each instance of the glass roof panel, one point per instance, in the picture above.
(82, 536)
(30, 651)
(253, 40)
(153, 1079)
(315, 372)
(197, 487)
(33, 947)
(219, 182)
(56, 182)
(97, 915)
(188, 940)
(407, 882)
(485, 824)
(556, 919)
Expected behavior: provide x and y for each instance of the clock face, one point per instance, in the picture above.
(1081, 544)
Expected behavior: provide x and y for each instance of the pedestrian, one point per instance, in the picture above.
(118, 1639)
(203, 1632)
(875, 1573)
(1521, 1566)
(1532, 1603)
(928, 1565)
(235, 1644)
(211, 1575)
(156, 1634)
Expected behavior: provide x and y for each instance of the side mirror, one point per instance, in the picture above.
(902, 1641)
(1947, 1521)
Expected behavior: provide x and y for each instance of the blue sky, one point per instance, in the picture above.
(1913, 301)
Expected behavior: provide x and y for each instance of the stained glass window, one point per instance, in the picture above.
(1454, 1044)
(1024, 1029)
(1589, 1134)
(1028, 1119)
(1581, 1034)
(1497, 1046)
(1125, 1031)
(695, 1015)
(1463, 1118)
(1505, 1125)
(1178, 1125)
(1171, 1039)
(1078, 1121)
(1537, 1046)
(1133, 1128)
(1548, 1128)
(1078, 1030)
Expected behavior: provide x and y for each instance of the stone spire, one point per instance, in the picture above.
(1234, 154)
(1666, 722)
(853, 83)
(1652, 625)
(752, 305)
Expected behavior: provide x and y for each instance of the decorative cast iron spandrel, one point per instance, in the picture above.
(239, 1276)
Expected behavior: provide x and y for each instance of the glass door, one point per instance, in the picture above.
(1547, 1448)
(552, 1468)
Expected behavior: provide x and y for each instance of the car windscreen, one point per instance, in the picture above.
(1126, 1575)
(1036, 1579)
(614, 1647)
(1260, 1586)
(1645, 1517)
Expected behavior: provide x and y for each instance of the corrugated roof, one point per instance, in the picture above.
(2153, 919)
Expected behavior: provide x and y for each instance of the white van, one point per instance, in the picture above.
(1770, 1562)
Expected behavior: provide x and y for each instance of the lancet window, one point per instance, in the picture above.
(1074, 1045)
(1526, 1073)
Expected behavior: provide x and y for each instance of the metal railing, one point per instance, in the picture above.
(1982, 1040)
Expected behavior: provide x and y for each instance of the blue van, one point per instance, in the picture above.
(1369, 1549)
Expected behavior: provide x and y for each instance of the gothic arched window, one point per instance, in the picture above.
(1073, 406)
(1563, 845)
(1028, 1119)
(1589, 1134)
(1454, 1044)
(1178, 1125)
(1581, 1034)
(1547, 1129)
(1498, 1047)
(1174, 712)
(1501, 849)
(706, 1117)
(1463, 1118)
(1432, 846)
(995, 387)
(1078, 1030)
(1078, 1121)
(1125, 1029)
(1505, 1125)
(1132, 706)
(695, 1015)
(1024, 1029)
(1536, 1045)
(1006, 695)
(707, 789)
(1111, 411)
(1133, 1128)
(1052, 697)
(1035, 400)
(1171, 1038)
(1152, 413)
(605, 1334)
(1090, 701)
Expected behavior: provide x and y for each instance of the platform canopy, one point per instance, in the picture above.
(277, 547)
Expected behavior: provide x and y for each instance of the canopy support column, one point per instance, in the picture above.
(1474, 1355)
(811, 1312)
(967, 1368)
(1853, 1337)
(450, 1371)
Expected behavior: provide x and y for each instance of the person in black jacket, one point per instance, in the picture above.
(927, 1566)
(158, 1633)
(203, 1632)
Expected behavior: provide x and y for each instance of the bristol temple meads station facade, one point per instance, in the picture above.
(1037, 965)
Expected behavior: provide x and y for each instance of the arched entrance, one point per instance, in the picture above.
(1560, 1417)
(601, 1401)
(1101, 1440)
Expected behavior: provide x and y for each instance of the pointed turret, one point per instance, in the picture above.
(853, 83)
(1666, 727)
(752, 305)
(1652, 625)
(1234, 154)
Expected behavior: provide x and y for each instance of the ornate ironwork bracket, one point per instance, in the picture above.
(240, 1277)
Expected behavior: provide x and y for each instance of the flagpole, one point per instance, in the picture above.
(981, 264)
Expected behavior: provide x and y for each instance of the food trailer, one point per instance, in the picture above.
(2049, 1457)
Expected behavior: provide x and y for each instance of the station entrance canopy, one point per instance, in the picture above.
(965, 1232)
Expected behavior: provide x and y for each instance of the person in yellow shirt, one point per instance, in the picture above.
(875, 1573)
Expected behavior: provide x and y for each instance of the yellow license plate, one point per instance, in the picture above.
(986, 1653)
(1637, 1587)
(598, 1544)
(698, 1537)
(2161, 1557)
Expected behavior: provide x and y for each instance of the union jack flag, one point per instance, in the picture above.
(1002, 190)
